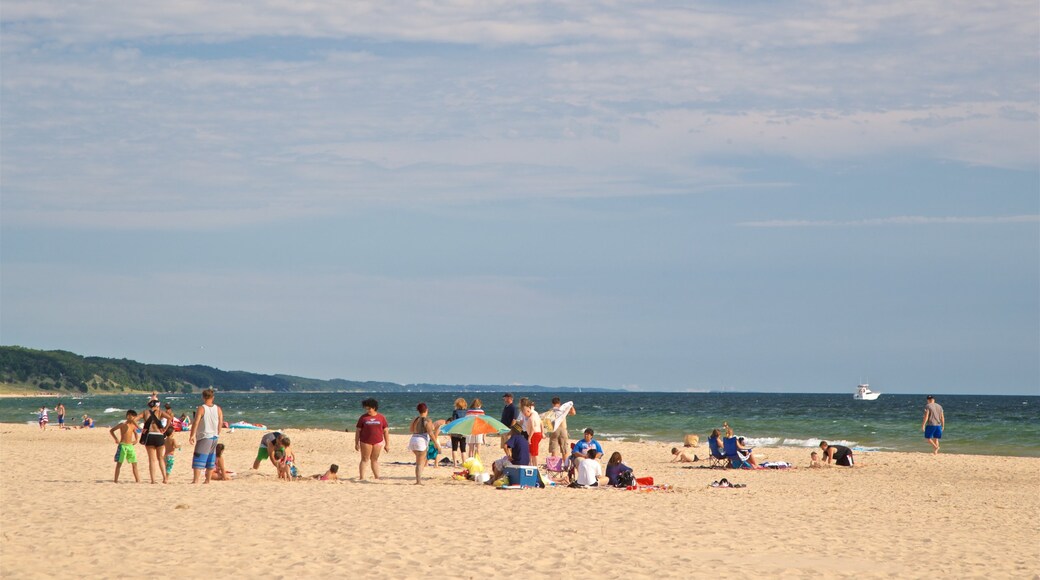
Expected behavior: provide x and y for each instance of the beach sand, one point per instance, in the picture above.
(900, 515)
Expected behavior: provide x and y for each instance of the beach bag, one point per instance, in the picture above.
(625, 479)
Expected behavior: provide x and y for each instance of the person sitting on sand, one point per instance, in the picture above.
(682, 456)
(221, 473)
(581, 448)
(814, 460)
(88, 422)
(746, 453)
(840, 454)
(331, 475)
(615, 468)
(589, 471)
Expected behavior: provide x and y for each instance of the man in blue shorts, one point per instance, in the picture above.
(933, 423)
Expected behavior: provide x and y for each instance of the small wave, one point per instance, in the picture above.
(112, 410)
(761, 441)
(816, 442)
(299, 409)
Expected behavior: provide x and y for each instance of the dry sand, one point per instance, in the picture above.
(900, 515)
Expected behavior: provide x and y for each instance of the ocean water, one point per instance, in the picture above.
(975, 424)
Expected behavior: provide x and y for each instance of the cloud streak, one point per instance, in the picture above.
(895, 221)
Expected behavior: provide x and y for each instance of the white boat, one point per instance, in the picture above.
(863, 393)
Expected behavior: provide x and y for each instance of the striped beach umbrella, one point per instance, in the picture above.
(474, 425)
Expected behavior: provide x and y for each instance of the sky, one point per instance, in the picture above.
(676, 196)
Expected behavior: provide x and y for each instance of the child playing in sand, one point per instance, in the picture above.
(221, 473)
(814, 460)
(126, 441)
(682, 456)
(285, 465)
(331, 475)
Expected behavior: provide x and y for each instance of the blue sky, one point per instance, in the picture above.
(661, 196)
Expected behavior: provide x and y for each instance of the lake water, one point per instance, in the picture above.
(976, 424)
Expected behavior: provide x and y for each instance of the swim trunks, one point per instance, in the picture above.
(933, 432)
(262, 453)
(125, 453)
(169, 464)
(205, 456)
(154, 440)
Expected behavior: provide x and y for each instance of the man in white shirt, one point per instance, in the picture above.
(589, 471)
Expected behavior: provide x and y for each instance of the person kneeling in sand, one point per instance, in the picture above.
(840, 454)
(682, 456)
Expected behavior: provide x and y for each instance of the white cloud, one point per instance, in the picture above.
(895, 221)
(139, 109)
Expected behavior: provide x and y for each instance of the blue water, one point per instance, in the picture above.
(992, 425)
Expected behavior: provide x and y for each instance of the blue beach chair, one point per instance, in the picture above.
(729, 447)
(716, 457)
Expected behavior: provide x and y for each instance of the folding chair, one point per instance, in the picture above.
(729, 447)
(556, 468)
(716, 457)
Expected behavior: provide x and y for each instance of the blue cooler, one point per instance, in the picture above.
(522, 475)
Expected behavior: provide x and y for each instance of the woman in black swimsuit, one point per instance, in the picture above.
(154, 439)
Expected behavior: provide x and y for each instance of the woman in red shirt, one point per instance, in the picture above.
(372, 430)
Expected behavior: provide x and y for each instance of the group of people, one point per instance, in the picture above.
(520, 445)
(158, 435)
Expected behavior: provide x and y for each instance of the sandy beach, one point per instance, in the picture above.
(900, 515)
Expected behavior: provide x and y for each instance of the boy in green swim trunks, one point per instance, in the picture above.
(126, 441)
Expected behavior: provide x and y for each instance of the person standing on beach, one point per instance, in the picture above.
(208, 419)
(60, 410)
(476, 407)
(372, 430)
(458, 442)
(559, 441)
(154, 438)
(509, 411)
(933, 423)
(126, 441)
(532, 425)
(42, 418)
(423, 432)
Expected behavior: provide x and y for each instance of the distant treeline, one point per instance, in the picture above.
(62, 371)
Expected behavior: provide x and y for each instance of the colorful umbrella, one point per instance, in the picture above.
(474, 425)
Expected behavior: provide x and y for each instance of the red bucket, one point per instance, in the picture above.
(645, 480)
